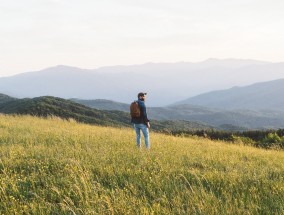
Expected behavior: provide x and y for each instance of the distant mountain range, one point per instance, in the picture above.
(240, 119)
(95, 94)
(166, 83)
(259, 96)
(103, 104)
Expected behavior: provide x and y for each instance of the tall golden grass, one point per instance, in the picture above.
(52, 166)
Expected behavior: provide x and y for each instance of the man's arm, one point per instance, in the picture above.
(145, 117)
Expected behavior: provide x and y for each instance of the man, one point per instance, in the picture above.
(142, 123)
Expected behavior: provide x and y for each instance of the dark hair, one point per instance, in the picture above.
(141, 94)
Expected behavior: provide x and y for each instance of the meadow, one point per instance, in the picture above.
(55, 166)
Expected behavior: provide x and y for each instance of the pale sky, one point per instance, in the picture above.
(36, 34)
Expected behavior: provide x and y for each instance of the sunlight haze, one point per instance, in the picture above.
(36, 34)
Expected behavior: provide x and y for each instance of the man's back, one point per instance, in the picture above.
(142, 122)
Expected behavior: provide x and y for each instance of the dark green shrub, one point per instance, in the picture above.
(270, 141)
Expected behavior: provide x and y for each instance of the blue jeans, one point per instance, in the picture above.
(138, 128)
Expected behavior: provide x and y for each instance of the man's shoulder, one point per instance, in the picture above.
(142, 103)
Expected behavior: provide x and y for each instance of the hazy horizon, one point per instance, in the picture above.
(138, 64)
(165, 83)
(93, 34)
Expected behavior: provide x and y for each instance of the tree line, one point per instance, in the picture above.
(258, 138)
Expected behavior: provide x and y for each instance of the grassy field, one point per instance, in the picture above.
(51, 166)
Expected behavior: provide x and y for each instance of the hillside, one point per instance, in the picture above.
(5, 98)
(51, 166)
(166, 83)
(171, 118)
(103, 104)
(52, 106)
(259, 96)
(67, 109)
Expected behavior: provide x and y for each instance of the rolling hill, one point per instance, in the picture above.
(5, 98)
(218, 118)
(52, 106)
(171, 118)
(67, 109)
(103, 104)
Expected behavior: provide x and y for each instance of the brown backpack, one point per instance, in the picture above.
(135, 110)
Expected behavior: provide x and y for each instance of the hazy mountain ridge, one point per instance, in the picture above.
(259, 96)
(219, 118)
(166, 83)
(103, 104)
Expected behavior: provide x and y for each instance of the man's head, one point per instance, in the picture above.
(142, 96)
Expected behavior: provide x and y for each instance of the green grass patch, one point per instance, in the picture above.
(52, 166)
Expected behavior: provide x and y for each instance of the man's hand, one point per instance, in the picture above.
(148, 125)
